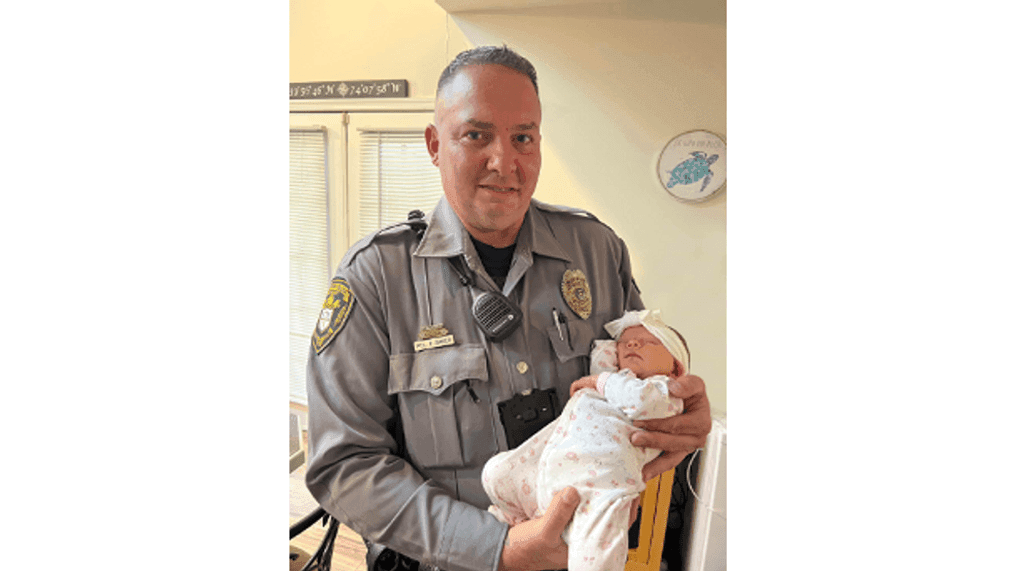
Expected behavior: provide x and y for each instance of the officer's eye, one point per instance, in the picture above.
(524, 138)
(473, 135)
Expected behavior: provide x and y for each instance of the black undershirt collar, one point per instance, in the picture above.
(496, 261)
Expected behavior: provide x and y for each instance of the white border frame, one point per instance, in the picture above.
(660, 177)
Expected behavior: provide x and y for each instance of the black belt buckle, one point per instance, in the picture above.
(527, 413)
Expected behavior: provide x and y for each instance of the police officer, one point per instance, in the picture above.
(447, 339)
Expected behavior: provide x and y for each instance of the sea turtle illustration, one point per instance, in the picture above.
(692, 170)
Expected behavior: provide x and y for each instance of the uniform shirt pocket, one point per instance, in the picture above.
(577, 341)
(572, 354)
(436, 404)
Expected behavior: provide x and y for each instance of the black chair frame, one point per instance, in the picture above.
(321, 559)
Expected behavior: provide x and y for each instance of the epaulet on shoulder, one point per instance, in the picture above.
(578, 212)
(563, 209)
(404, 226)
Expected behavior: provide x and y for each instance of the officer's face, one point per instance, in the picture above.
(485, 142)
(644, 354)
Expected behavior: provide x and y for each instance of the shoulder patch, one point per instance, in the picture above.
(336, 310)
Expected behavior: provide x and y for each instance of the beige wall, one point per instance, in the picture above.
(616, 85)
(371, 39)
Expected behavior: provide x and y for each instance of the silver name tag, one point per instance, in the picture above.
(434, 343)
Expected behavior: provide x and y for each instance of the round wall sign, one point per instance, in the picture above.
(692, 166)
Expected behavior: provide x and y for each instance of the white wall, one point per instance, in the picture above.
(617, 82)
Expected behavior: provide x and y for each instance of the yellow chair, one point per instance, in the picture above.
(655, 507)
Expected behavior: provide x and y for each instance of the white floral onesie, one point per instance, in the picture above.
(588, 446)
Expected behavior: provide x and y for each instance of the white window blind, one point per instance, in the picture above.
(396, 176)
(308, 247)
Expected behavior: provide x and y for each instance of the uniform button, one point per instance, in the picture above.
(522, 366)
(436, 382)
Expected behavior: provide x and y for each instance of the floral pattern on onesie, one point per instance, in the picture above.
(588, 446)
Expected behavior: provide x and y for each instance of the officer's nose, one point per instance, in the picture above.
(503, 157)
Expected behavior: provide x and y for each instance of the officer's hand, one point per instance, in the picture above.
(535, 544)
(679, 435)
(588, 382)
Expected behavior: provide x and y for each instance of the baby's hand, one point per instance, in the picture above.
(588, 382)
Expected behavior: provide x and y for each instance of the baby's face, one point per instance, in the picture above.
(644, 354)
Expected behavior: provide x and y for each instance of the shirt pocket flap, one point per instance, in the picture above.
(434, 370)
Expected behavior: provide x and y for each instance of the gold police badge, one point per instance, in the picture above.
(336, 310)
(575, 288)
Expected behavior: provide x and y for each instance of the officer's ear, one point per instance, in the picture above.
(432, 142)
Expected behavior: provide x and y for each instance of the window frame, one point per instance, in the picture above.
(334, 116)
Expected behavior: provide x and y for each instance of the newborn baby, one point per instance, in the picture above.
(588, 446)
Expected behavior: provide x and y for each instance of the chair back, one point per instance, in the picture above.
(655, 507)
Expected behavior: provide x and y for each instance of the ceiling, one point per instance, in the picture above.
(704, 11)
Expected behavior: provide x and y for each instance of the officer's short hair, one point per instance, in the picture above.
(483, 55)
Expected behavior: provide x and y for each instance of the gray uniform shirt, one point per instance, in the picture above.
(399, 437)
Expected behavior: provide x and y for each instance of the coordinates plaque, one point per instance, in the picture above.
(349, 89)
